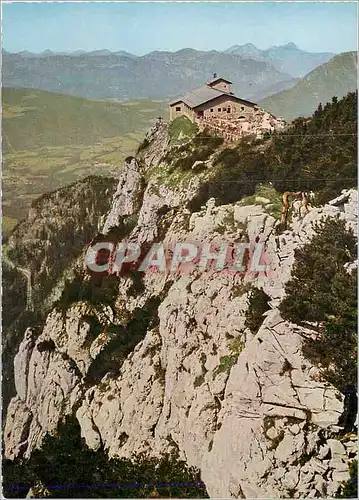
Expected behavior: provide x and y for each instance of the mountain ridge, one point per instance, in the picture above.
(105, 74)
(336, 78)
(288, 58)
(158, 75)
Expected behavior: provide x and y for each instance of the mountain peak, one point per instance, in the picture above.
(46, 52)
(100, 52)
(249, 46)
(291, 45)
(186, 50)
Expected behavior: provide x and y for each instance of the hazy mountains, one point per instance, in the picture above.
(285, 58)
(157, 75)
(334, 78)
(76, 53)
(264, 76)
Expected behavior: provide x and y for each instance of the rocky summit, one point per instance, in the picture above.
(168, 362)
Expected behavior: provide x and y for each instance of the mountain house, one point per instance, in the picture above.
(213, 100)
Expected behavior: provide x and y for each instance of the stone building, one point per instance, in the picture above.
(215, 99)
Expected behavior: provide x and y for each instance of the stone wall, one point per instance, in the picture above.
(232, 128)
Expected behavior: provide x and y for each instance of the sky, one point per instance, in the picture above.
(141, 27)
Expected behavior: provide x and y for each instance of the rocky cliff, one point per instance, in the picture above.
(40, 255)
(165, 361)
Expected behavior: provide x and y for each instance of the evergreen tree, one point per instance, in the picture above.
(321, 290)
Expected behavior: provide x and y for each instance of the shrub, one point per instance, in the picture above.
(349, 489)
(237, 172)
(258, 305)
(66, 467)
(200, 148)
(124, 340)
(318, 154)
(181, 128)
(225, 364)
(266, 191)
(95, 290)
(236, 345)
(143, 145)
(319, 283)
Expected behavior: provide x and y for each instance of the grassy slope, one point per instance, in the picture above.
(50, 140)
(334, 78)
(36, 118)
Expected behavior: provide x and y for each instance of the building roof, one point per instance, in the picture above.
(215, 80)
(198, 96)
(203, 94)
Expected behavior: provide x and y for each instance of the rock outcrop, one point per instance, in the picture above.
(40, 255)
(127, 198)
(247, 409)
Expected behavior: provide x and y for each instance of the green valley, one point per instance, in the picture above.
(50, 140)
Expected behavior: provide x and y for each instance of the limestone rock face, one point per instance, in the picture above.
(158, 143)
(274, 416)
(248, 410)
(126, 200)
(42, 252)
(49, 374)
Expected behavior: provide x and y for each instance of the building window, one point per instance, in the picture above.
(211, 110)
(178, 108)
(228, 110)
(242, 108)
(219, 109)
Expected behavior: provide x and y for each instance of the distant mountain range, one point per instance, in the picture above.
(264, 76)
(157, 75)
(76, 53)
(337, 77)
(285, 58)
(103, 74)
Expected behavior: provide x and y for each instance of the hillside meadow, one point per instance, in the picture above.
(50, 140)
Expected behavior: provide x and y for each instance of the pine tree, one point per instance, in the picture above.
(321, 290)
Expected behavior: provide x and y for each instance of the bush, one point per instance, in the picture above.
(225, 364)
(143, 145)
(266, 191)
(318, 154)
(349, 489)
(181, 128)
(236, 345)
(236, 174)
(258, 305)
(322, 291)
(124, 339)
(95, 290)
(200, 148)
(319, 283)
(66, 467)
